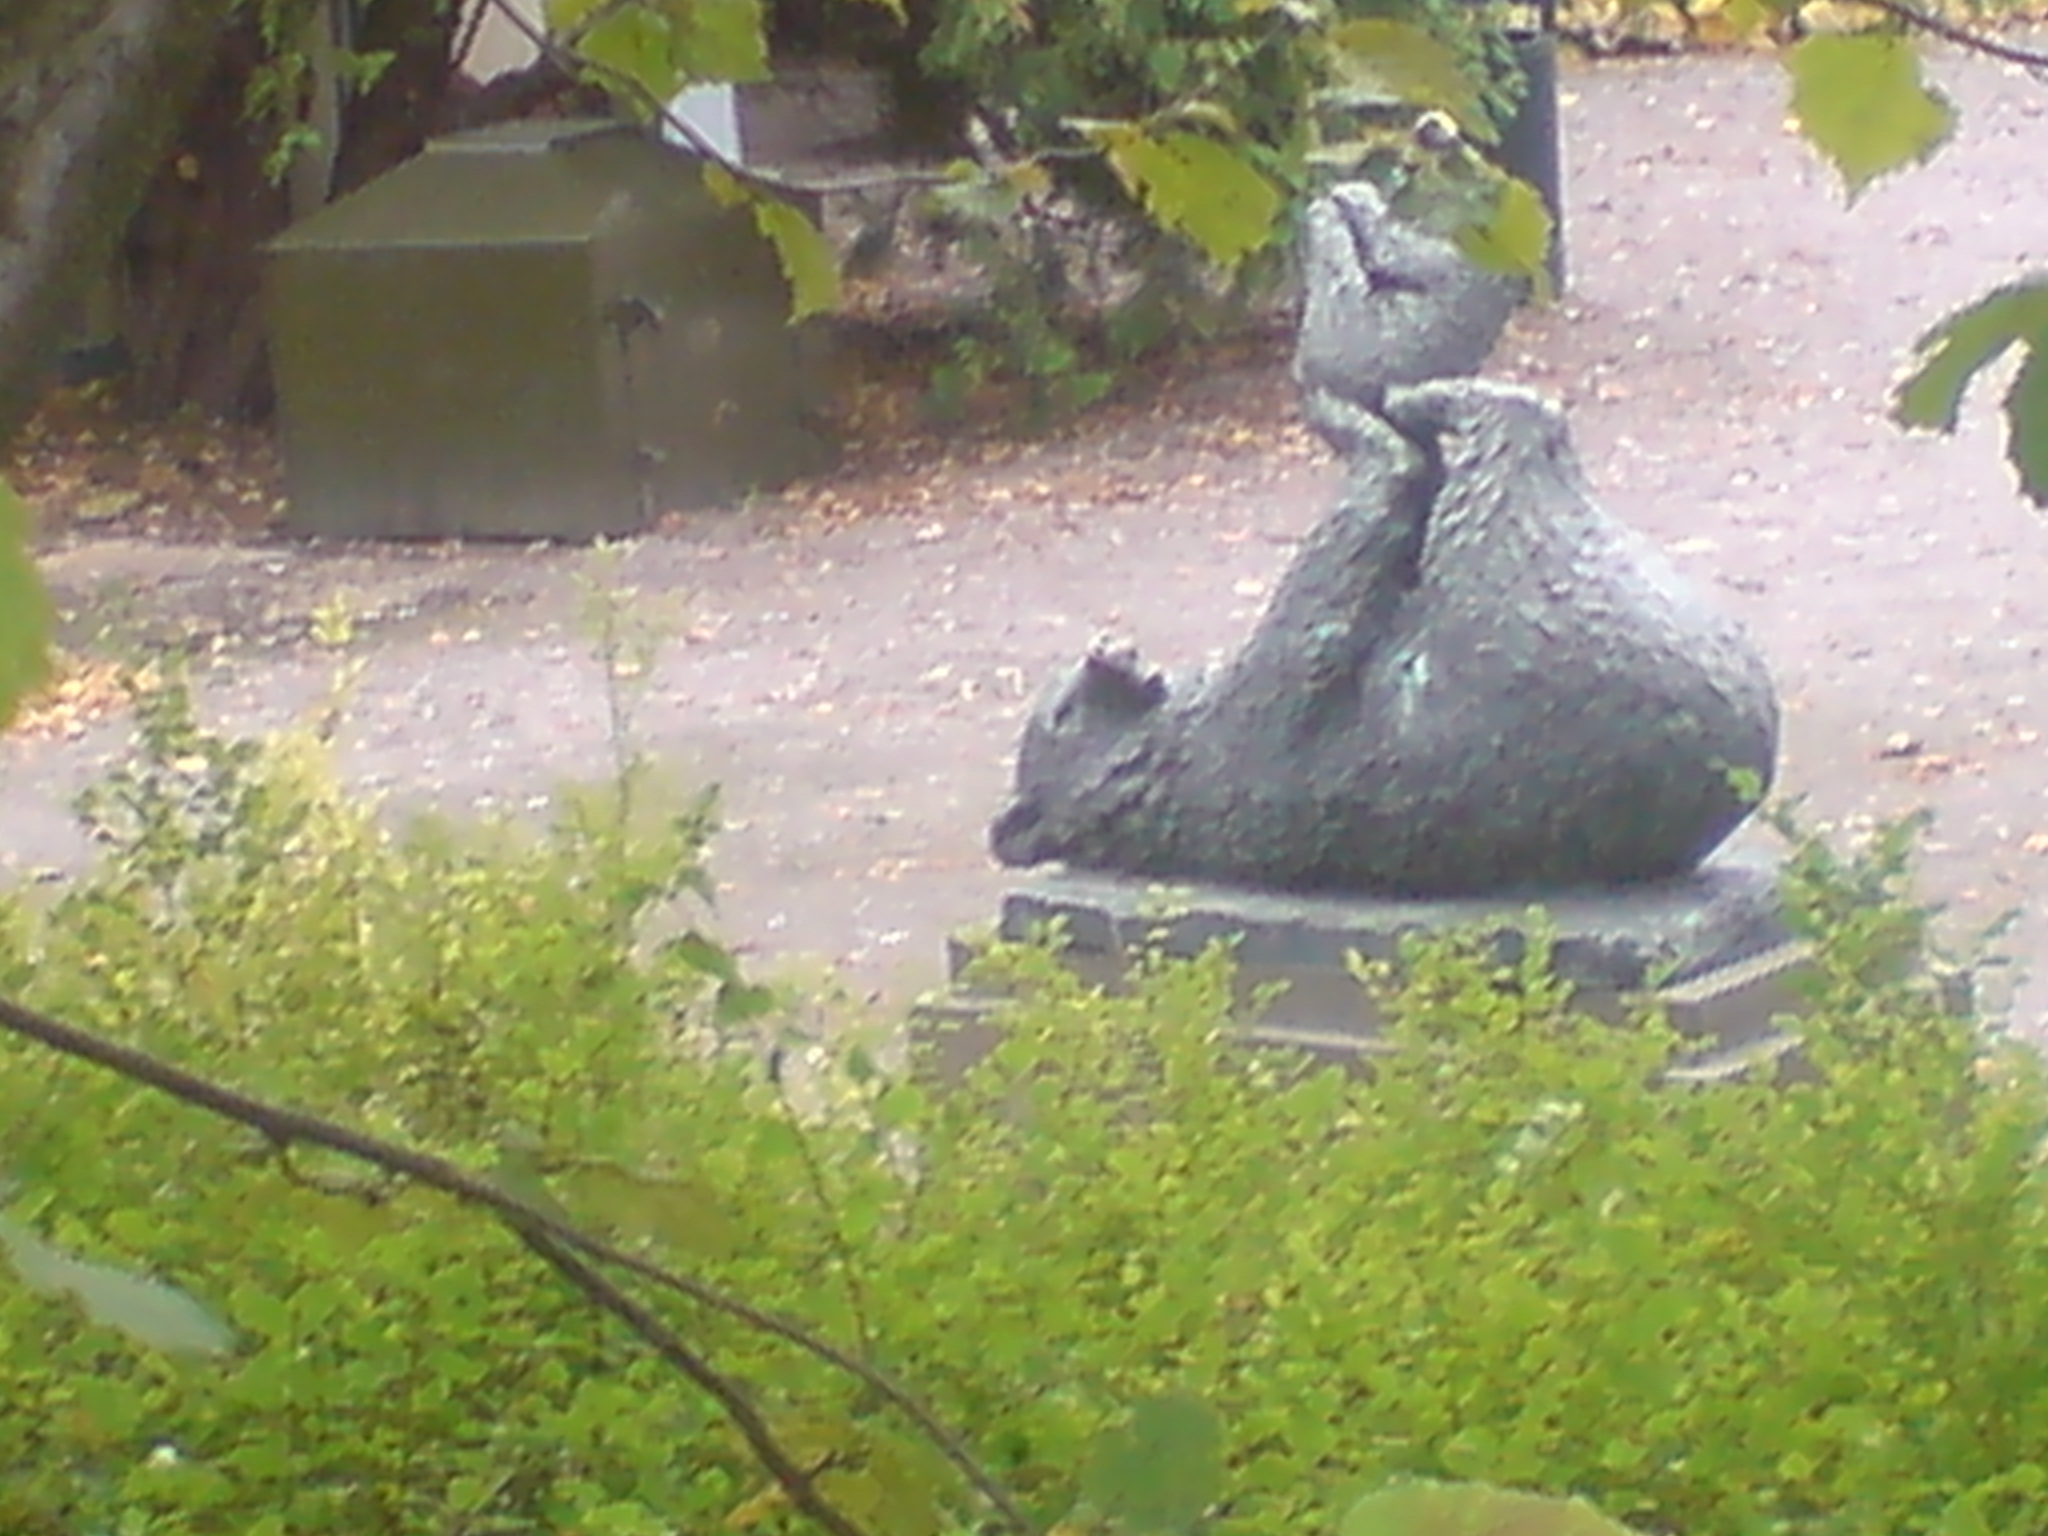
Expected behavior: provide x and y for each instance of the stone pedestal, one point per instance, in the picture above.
(1711, 946)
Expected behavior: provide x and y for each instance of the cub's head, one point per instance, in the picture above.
(1074, 736)
(1387, 302)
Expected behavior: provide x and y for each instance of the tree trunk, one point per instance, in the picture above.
(392, 120)
(194, 259)
(89, 92)
(191, 272)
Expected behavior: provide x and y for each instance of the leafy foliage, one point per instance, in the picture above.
(1860, 99)
(1158, 1284)
(249, 920)
(1139, 156)
(1169, 144)
(664, 43)
(1212, 119)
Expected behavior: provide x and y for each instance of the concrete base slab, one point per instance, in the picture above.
(1712, 947)
(1615, 939)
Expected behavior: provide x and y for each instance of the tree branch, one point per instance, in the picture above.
(599, 1289)
(835, 1234)
(574, 63)
(1962, 37)
(286, 1127)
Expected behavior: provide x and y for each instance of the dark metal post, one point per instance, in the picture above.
(1532, 143)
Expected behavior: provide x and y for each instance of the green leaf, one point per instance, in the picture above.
(567, 15)
(1472, 1509)
(1966, 342)
(1198, 188)
(700, 952)
(878, 1503)
(742, 1002)
(24, 610)
(634, 44)
(2026, 424)
(685, 1214)
(1962, 346)
(1413, 65)
(159, 1315)
(1859, 99)
(518, 1171)
(1515, 238)
(1200, 113)
(1162, 1470)
(719, 39)
(350, 1222)
(909, 1479)
(735, 999)
(903, 1104)
(808, 265)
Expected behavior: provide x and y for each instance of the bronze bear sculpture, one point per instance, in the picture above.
(1470, 681)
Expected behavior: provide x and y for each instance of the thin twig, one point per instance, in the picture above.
(1962, 37)
(796, 1480)
(285, 1127)
(465, 37)
(572, 63)
(849, 1272)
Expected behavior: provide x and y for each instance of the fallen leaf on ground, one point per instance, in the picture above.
(83, 692)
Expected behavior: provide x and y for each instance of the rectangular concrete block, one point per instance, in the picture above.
(1712, 949)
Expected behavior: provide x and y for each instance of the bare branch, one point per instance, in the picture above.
(773, 181)
(799, 1482)
(1962, 37)
(287, 1127)
(835, 1234)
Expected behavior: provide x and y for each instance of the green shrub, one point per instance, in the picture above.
(406, 1367)
(1811, 1308)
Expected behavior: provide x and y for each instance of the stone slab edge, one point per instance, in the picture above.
(1619, 939)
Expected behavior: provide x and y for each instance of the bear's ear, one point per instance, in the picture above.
(1115, 681)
